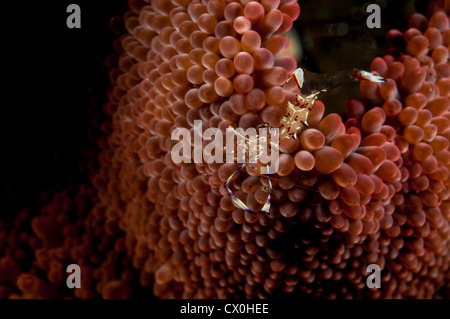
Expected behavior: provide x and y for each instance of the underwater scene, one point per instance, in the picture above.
(226, 149)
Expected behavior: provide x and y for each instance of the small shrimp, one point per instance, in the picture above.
(301, 95)
(247, 143)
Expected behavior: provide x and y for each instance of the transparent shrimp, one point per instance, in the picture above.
(302, 90)
(246, 144)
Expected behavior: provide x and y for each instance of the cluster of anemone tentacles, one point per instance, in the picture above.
(372, 189)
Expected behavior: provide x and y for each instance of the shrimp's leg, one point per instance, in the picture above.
(266, 207)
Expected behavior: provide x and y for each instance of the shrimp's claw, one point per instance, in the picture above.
(299, 77)
(240, 204)
(362, 75)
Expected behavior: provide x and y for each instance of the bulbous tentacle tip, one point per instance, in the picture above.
(361, 75)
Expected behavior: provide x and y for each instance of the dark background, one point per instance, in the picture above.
(51, 74)
(334, 37)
